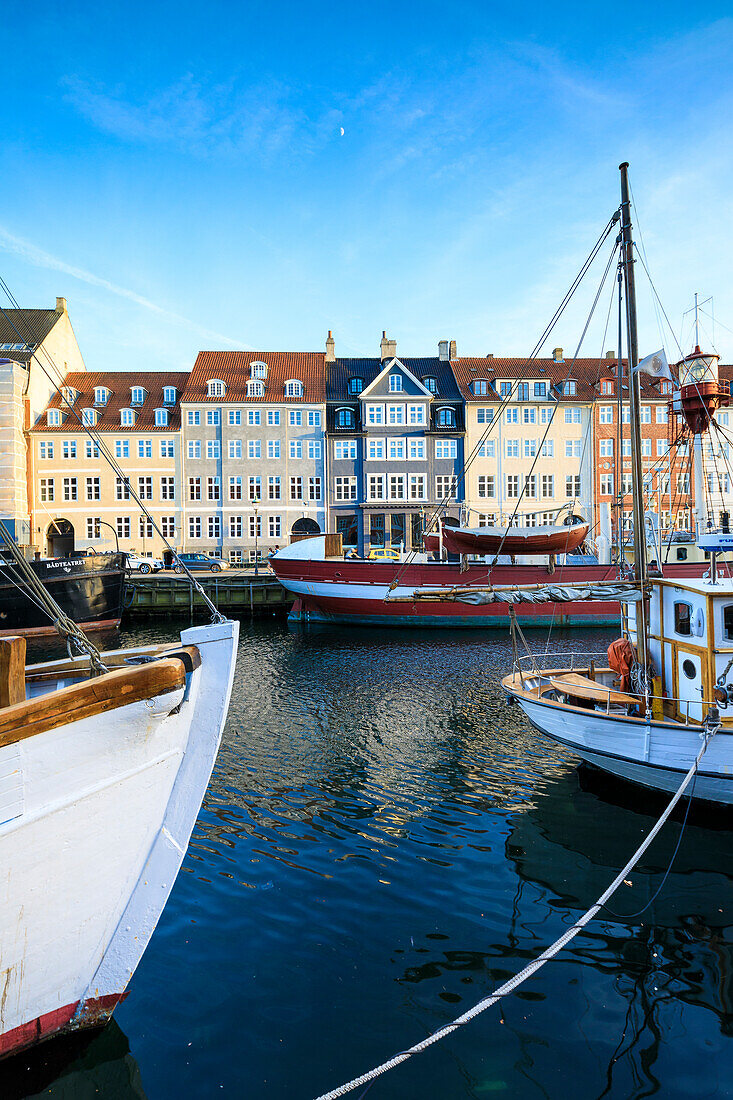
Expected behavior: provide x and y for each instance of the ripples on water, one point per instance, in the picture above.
(383, 842)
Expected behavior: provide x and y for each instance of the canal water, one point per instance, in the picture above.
(383, 843)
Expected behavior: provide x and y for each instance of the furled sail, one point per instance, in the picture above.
(531, 593)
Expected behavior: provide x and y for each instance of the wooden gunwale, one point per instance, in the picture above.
(107, 692)
(81, 666)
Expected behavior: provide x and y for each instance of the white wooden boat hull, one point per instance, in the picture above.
(95, 818)
(657, 755)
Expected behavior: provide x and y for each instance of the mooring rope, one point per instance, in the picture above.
(709, 729)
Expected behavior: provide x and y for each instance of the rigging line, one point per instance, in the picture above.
(708, 732)
(96, 438)
(715, 319)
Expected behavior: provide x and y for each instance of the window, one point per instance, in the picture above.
(572, 416)
(487, 449)
(314, 448)
(274, 526)
(396, 486)
(375, 447)
(569, 388)
(314, 488)
(548, 448)
(255, 527)
(345, 488)
(375, 414)
(255, 389)
(416, 414)
(376, 487)
(214, 527)
(254, 487)
(293, 388)
(547, 415)
(258, 369)
(626, 415)
(607, 386)
(548, 485)
(395, 383)
(296, 488)
(607, 485)
(723, 418)
(511, 447)
(396, 449)
(145, 488)
(417, 449)
(626, 448)
(295, 418)
(512, 485)
(572, 485)
(212, 488)
(273, 488)
(169, 395)
(194, 527)
(605, 414)
(355, 386)
(235, 418)
(94, 527)
(235, 448)
(144, 448)
(161, 418)
(446, 418)
(484, 416)
(683, 618)
(70, 488)
(396, 414)
(523, 391)
(296, 448)
(213, 448)
(46, 450)
(213, 417)
(122, 488)
(573, 448)
(480, 387)
(344, 448)
(53, 418)
(530, 485)
(254, 448)
(168, 526)
(273, 448)
(430, 383)
(661, 415)
(193, 418)
(529, 416)
(530, 448)
(446, 448)
(254, 417)
(137, 395)
(540, 389)
(127, 418)
(345, 418)
(446, 487)
(235, 488)
(123, 527)
(728, 621)
(486, 485)
(89, 416)
(511, 416)
(314, 418)
(215, 388)
(145, 527)
(273, 418)
(417, 487)
(505, 389)
(91, 450)
(101, 395)
(646, 447)
(194, 488)
(645, 414)
(69, 448)
(47, 492)
(683, 484)
(235, 527)
(94, 488)
(605, 448)
(167, 488)
(626, 485)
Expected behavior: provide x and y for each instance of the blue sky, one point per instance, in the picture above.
(178, 171)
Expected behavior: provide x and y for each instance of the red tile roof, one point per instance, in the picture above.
(119, 383)
(586, 373)
(233, 368)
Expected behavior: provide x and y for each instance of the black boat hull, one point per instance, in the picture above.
(90, 590)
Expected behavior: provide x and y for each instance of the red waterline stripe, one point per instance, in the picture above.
(96, 1010)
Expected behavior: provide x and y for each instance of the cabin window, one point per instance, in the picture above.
(728, 621)
(681, 553)
(682, 618)
(688, 667)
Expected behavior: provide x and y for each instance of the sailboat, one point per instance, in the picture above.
(665, 687)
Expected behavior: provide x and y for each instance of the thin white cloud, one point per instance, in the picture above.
(36, 256)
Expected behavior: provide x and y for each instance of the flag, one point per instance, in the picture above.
(656, 366)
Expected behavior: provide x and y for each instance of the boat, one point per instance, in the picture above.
(660, 704)
(88, 588)
(548, 539)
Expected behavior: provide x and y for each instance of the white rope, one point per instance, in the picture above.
(513, 983)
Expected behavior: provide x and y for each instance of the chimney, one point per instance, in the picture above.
(330, 348)
(489, 355)
(388, 348)
(610, 355)
(443, 349)
(453, 350)
(61, 306)
(557, 355)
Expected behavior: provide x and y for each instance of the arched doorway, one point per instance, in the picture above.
(60, 536)
(305, 527)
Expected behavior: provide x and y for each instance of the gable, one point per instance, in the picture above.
(380, 387)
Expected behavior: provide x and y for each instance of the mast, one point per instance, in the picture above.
(640, 560)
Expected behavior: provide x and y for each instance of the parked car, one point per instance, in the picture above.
(200, 561)
(143, 565)
(384, 553)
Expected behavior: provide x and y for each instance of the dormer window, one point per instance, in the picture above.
(395, 383)
(258, 369)
(161, 418)
(69, 394)
(481, 387)
(53, 418)
(137, 395)
(293, 388)
(540, 389)
(101, 395)
(127, 418)
(255, 389)
(215, 388)
(607, 386)
(665, 386)
(169, 395)
(430, 383)
(89, 417)
(523, 391)
(356, 385)
(446, 417)
(345, 418)
(569, 387)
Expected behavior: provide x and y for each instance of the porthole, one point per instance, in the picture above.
(688, 667)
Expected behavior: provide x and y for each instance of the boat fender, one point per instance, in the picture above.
(722, 695)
